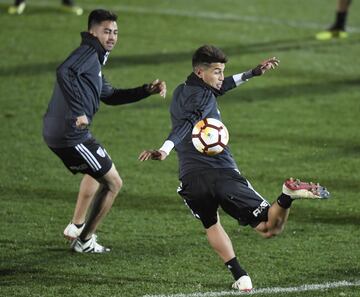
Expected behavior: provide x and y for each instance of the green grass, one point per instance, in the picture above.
(301, 120)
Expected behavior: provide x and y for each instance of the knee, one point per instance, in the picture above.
(116, 185)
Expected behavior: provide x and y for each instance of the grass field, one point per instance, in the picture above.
(301, 120)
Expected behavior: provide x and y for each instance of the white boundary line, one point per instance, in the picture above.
(203, 14)
(263, 291)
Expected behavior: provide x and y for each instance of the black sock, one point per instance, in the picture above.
(68, 2)
(340, 21)
(285, 201)
(235, 268)
(83, 240)
(79, 225)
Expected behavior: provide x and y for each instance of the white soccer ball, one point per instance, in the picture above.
(210, 136)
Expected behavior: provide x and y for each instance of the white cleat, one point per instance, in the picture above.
(90, 246)
(243, 284)
(72, 232)
(297, 189)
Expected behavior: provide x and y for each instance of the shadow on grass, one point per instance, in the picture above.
(183, 56)
(145, 202)
(329, 216)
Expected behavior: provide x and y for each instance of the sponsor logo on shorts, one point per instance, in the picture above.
(261, 208)
(100, 152)
(79, 167)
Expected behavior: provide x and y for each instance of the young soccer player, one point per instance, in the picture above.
(79, 88)
(208, 182)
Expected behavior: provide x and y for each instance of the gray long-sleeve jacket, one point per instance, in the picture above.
(79, 88)
(193, 101)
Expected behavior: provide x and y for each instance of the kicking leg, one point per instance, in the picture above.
(278, 212)
(277, 218)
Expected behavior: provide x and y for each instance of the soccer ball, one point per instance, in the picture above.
(210, 136)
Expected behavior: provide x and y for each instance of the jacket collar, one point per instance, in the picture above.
(89, 39)
(194, 80)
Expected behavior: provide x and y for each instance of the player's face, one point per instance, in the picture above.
(213, 75)
(106, 32)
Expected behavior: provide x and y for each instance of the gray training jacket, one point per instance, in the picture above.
(193, 101)
(79, 87)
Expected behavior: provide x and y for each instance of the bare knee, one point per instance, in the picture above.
(115, 184)
(112, 181)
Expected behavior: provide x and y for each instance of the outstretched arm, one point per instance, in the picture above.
(235, 80)
(260, 69)
(112, 96)
(157, 87)
(266, 65)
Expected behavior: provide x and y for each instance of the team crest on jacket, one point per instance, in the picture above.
(100, 152)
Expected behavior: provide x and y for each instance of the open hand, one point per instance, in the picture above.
(153, 155)
(266, 65)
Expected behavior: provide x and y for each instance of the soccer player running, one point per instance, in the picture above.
(208, 182)
(79, 88)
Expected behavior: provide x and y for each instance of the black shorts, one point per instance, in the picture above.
(88, 157)
(204, 191)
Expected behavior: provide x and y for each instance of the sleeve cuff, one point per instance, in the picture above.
(167, 146)
(242, 77)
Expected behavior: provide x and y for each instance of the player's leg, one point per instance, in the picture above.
(87, 191)
(277, 218)
(110, 185)
(338, 28)
(88, 188)
(70, 7)
(91, 159)
(220, 241)
(279, 211)
(18, 7)
(197, 190)
(222, 245)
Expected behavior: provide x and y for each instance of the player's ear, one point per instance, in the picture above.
(198, 71)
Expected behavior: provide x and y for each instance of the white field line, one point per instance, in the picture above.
(204, 15)
(264, 291)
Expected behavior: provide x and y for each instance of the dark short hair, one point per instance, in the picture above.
(97, 16)
(208, 54)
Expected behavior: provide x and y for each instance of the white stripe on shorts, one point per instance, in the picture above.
(251, 187)
(88, 156)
